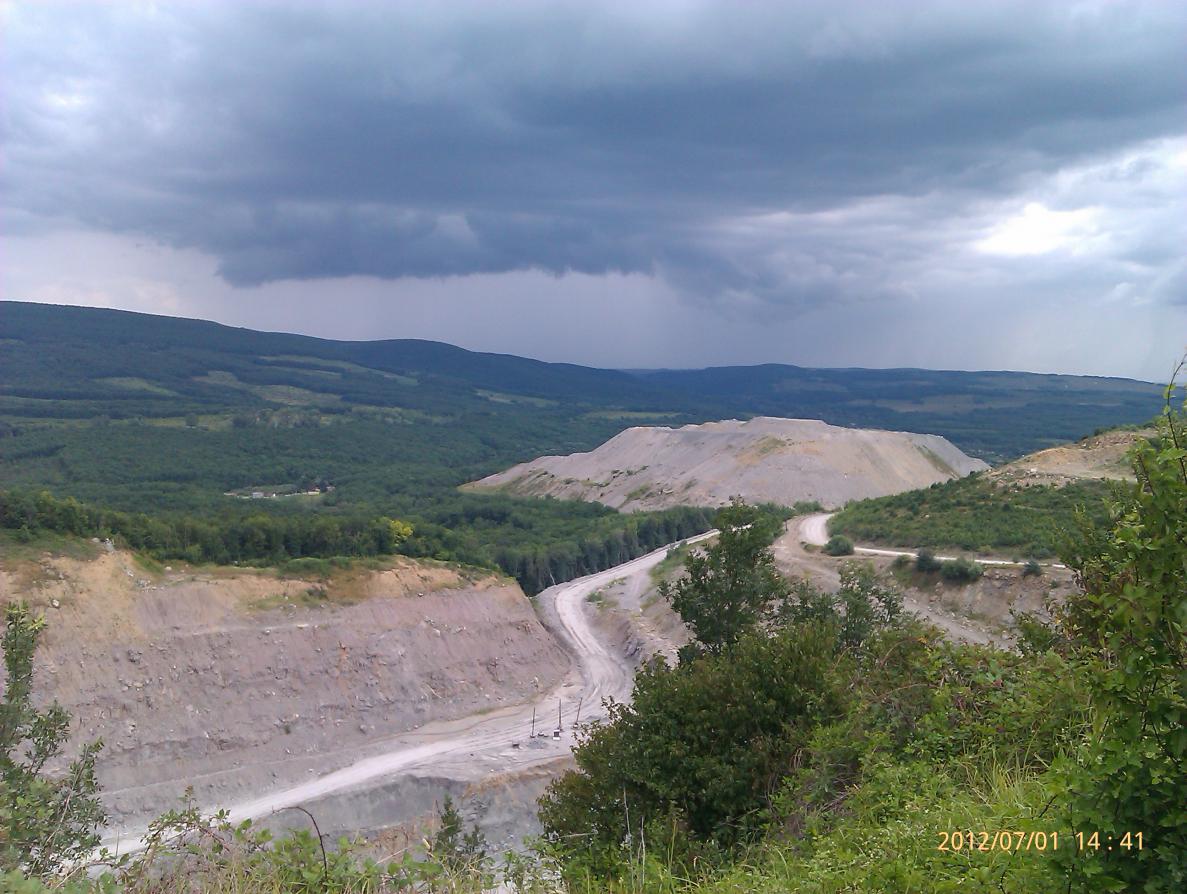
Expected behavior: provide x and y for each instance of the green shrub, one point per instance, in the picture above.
(696, 747)
(839, 545)
(926, 561)
(46, 820)
(1130, 623)
(961, 570)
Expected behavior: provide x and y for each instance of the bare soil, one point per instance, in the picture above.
(763, 459)
(236, 680)
(1102, 457)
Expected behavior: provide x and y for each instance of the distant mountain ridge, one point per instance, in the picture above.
(64, 362)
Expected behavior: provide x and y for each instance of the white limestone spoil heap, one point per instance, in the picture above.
(766, 458)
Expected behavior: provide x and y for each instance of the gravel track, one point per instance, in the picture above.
(814, 531)
(492, 742)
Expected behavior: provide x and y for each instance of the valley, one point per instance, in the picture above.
(439, 587)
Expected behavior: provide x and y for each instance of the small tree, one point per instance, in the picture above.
(457, 849)
(730, 587)
(860, 607)
(45, 821)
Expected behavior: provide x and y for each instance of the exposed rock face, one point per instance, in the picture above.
(782, 460)
(1100, 457)
(234, 680)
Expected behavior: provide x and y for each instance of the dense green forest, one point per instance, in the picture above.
(976, 514)
(65, 363)
(184, 420)
(539, 542)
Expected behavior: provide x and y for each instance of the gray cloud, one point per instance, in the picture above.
(762, 160)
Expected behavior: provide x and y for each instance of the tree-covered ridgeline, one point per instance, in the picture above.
(537, 542)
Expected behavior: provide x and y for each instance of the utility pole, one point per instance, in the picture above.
(559, 725)
(577, 721)
(533, 733)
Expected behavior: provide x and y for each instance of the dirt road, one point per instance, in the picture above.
(814, 531)
(492, 742)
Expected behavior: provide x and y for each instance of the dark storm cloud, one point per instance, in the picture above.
(325, 140)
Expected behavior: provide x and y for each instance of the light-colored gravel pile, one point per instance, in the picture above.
(781, 460)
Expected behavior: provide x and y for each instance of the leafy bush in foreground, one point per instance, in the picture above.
(1130, 629)
(45, 820)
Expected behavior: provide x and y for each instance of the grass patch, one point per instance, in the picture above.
(639, 493)
(133, 383)
(633, 415)
(671, 564)
(20, 546)
(321, 364)
(147, 563)
(312, 567)
(499, 397)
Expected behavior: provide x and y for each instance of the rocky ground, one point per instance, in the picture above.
(763, 459)
(235, 680)
(1101, 456)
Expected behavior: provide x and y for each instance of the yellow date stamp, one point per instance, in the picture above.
(1012, 840)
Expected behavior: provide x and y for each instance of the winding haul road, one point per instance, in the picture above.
(498, 741)
(495, 741)
(814, 530)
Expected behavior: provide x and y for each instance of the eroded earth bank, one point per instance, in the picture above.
(237, 682)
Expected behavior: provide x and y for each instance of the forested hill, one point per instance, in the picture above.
(76, 356)
(995, 415)
(79, 363)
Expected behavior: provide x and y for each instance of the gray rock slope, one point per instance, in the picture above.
(766, 458)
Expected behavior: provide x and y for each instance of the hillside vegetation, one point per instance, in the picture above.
(539, 545)
(181, 421)
(1026, 508)
(977, 515)
(65, 363)
(840, 745)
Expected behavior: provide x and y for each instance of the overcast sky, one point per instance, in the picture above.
(650, 183)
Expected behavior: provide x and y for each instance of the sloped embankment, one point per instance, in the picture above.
(236, 680)
(782, 460)
(1103, 457)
